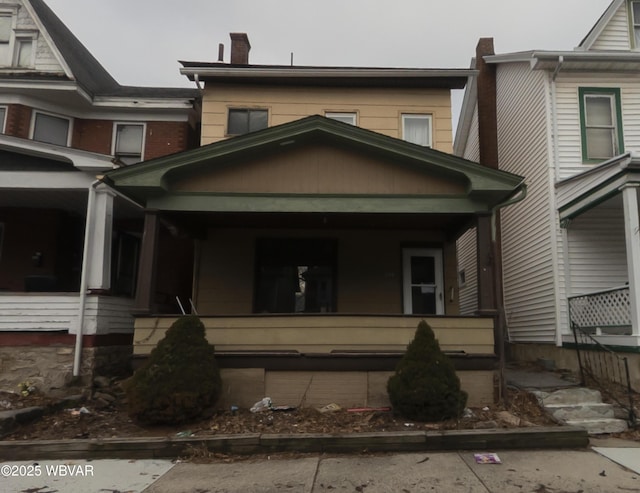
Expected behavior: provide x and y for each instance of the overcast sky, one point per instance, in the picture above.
(140, 41)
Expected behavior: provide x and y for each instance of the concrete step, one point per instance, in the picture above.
(594, 410)
(578, 395)
(600, 426)
(581, 407)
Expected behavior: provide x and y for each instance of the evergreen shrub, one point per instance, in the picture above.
(425, 386)
(180, 381)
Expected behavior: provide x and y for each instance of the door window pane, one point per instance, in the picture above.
(422, 270)
(51, 129)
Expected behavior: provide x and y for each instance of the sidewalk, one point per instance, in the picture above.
(445, 472)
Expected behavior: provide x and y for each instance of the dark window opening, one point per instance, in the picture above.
(242, 121)
(295, 275)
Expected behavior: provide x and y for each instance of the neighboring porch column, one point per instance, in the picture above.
(145, 290)
(632, 236)
(99, 254)
(486, 270)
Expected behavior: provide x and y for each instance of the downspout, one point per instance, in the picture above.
(196, 79)
(519, 195)
(88, 229)
(565, 242)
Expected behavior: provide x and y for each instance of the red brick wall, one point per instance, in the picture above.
(162, 138)
(92, 135)
(165, 138)
(18, 121)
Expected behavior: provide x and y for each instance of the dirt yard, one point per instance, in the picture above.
(102, 414)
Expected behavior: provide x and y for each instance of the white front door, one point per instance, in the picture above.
(422, 281)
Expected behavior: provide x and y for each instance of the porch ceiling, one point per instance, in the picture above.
(71, 201)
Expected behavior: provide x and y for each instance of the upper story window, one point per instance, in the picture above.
(344, 117)
(417, 129)
(51, 129)
(245, 120)
(635, 23)
(17, 46)
(24, 51)
(128, 142)
(600, 123)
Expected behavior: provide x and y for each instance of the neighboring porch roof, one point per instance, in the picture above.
(584, 191)
(151, 183)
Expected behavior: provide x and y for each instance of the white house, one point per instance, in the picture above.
(569, 122)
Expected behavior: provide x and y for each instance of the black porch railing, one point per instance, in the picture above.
(606, 370)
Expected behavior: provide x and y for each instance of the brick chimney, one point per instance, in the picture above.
(240, 47)
(487, 112)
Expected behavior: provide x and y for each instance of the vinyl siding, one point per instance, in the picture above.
(377, 109)
(472, 148)
(466, 245)
(467, 260)
(528, 249)
(615, 36)
(597, 249)
(569, 149)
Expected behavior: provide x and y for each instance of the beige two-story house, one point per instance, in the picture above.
(323, 208)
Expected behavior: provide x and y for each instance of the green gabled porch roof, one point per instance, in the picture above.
(149, 183)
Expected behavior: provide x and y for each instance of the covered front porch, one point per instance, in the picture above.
(68, 258)
(600, 219)
(317, 248)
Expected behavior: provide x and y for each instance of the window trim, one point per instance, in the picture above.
(614, 92)
(249, 110)
(3, 123)
(633, 24)
(34, 117)
(114, 137)
(422, 116)
(338, 114)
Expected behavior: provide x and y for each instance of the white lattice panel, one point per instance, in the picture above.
(605, 309)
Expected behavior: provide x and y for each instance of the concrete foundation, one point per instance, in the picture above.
(244, 387)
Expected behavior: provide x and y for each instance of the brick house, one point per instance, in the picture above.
(68, 246)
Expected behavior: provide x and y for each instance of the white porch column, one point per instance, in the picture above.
(99, 254)
(632, 235)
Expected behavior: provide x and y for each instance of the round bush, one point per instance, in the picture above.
(425, 386)
(179, 381)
